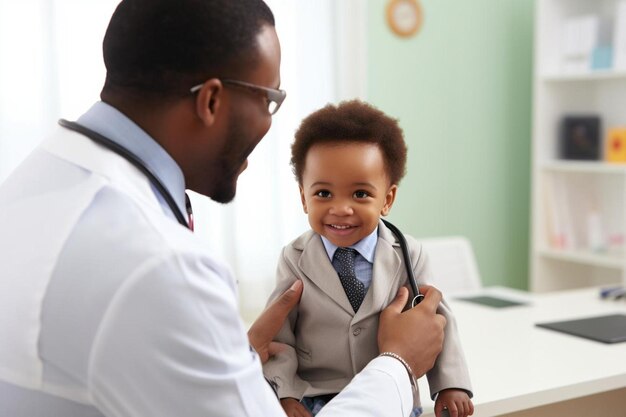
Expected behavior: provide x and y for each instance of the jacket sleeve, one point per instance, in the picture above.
(381, 389)
(450, 369)
(282, 369)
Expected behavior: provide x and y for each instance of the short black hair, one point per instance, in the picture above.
(165, 47)
(351, 121)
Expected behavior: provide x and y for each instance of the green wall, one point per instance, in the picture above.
(462, 90)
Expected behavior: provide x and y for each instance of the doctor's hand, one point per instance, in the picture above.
(416, 335)
(266, 326)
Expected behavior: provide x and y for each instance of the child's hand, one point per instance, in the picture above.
(293, 408)
(456, 401)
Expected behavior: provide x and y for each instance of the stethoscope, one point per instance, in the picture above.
(417, 296)
(180, 217)
(137, 162)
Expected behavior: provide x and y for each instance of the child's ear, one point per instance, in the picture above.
(303, 200)
(389, 199)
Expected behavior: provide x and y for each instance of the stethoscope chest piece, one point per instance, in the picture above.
(417, 299)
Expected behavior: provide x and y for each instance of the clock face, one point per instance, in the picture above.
(404, 17)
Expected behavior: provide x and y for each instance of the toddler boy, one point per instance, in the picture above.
(348, 161)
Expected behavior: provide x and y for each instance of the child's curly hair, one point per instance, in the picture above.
(351, 121)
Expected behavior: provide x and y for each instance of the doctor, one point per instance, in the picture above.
(108, 304)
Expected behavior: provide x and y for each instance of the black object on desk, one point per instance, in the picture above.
(606, 329)
(490, 301)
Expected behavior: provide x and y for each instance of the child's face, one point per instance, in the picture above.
(345, 189)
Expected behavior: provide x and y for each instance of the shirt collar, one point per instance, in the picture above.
(113, 124)
(366, 246)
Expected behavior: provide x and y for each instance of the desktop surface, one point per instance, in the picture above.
(515, 365)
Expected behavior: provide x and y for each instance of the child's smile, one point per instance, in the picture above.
(345, 189)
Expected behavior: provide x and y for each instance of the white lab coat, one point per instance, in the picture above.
(109, 307)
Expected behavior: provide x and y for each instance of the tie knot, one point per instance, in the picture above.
(345, 258)
(345, 253)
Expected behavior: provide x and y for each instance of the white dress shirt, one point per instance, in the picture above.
(108, 307)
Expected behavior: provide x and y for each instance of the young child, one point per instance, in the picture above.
(348, 161)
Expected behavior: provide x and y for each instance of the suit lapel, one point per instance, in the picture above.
(316, 266)
(385, 276)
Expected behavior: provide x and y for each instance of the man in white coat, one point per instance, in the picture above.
(108, 304)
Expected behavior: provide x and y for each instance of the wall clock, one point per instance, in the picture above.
(404, 17)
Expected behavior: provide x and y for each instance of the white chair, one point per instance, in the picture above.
(452, 265)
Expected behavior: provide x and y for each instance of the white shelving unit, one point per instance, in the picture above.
(569, 196)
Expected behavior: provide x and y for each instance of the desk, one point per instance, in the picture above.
(515, 366)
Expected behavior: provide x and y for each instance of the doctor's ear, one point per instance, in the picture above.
(208, 100)
(303, 200)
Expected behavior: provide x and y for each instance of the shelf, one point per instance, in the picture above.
(585, 257)
(590, 167)
(570, 197)
(588, 76)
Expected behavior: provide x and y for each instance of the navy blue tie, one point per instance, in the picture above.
(355, 290)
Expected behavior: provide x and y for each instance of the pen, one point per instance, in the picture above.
(612, 292)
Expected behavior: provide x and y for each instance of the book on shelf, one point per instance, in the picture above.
(596, 240)
(552, 223)
(619, 38)
(580, 137)
(616, 145)
(590, 42)
(573, 220)
(579, 38)
(565, 213)
(575, 203)
(559, 233)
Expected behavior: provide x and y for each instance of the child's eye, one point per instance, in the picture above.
(323, 193)
(361, 194)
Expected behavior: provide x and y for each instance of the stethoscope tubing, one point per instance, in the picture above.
(417, 296)
(133, 159)
(169, 200)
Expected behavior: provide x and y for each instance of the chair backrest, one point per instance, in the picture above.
(452, 265)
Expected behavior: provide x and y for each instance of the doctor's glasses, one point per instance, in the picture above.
(274, 97)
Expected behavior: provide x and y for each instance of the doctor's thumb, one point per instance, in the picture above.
(268, 324)
(290, 298)
(398, 304)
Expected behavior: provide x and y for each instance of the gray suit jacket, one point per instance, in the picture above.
(327, 343)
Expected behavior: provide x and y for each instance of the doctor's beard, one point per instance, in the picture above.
(233, 163)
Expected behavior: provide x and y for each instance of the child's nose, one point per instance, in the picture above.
(342, 208)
